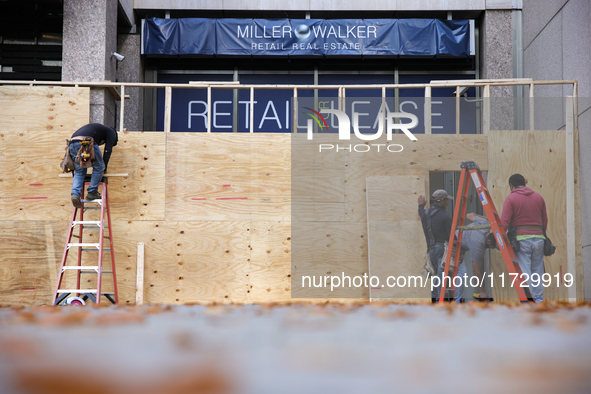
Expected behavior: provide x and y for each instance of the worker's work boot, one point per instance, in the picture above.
(76, 201)
(93, 196)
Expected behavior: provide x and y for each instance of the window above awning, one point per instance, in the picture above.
(306, 37)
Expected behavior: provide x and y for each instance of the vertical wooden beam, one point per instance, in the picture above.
(457, 110)
(570, 198)
(576, 104)
(167, 108)
(295, 110)
(532, 125)
(427, 110)
(209, 109)
(486, 110)
(139, 284)
(251, 110)
(122, 111)
(384, 107)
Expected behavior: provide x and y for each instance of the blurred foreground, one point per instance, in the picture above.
(296, 348)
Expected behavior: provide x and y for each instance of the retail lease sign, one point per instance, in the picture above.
(363, 119)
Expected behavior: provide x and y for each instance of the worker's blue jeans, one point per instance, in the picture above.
(437, 257)
(98, 168)
(531, 261)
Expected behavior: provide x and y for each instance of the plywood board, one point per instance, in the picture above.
(141, 195)
(43, 109)
(396, 239)
(270, 262)
(393, 198)
(221, 177)
(29, 167)
(184, 262)
(30, 255)
(540, 157)
(328, 249)
(32, 190)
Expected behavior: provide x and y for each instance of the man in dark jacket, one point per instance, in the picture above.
(525, 210)
(440, 227)
(102, 135)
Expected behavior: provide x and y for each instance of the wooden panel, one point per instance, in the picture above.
(270, 262)
(184, 261)
(141, 195)
(319, 186)
(393, 198)
(57, 110)
(29, 185)
(32, 190)
(30, 255)
(540, 157)
(320, 249)
(228, 177)
(396, 240)
(35, 121)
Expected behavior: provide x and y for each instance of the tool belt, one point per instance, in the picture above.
(85, 156)
(528, 228)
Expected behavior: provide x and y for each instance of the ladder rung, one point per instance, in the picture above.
(96, 250)
(97, 201)
(95, 222)
(96, 245)
(95, 272)
(80, 267)
(476, 227)
(92, 207)
(90, 226)
(77, 291)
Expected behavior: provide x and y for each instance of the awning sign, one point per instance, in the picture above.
(306, 37)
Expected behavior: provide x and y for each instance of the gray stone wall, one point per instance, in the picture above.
(131, 70)
(496, 57)
(557, 45)
(89, 38)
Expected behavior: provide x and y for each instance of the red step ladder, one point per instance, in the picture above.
(79, 295)
(470, 170)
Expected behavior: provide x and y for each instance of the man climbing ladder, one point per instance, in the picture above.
(85, 151)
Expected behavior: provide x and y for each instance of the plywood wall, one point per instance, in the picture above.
(34, 124)
(393, 224)
(216, 212)
(329, 208)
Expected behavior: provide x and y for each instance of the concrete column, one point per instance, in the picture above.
(90, 36)
(131, 70)
(497, 62)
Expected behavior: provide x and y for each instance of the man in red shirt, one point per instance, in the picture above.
(525, 210)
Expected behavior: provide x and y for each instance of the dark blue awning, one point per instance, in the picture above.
(306, 37)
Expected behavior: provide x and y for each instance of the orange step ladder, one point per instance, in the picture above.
(470, 170)
(79, 295)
